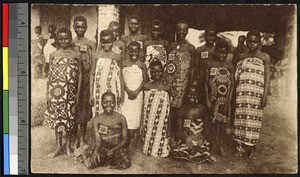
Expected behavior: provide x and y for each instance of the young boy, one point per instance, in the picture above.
(203, 54)
(110, 137)
(119, 46)
(50, 47)
(134, 75)
(241, 48)
(192, 131)
(134, 35)
(86, 47)
(155, 48)
(179, 69)
(105, 74)
(218, 93)
(37, 46)
(63, 90)
(156, 114)
(252, 83)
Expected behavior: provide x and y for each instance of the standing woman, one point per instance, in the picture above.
(252, 80)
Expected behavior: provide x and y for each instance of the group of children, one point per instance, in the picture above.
(171, 99)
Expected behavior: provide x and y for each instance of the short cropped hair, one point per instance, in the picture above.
(108, 93)
(222, 44)
(155, 63)
(134, 43)
(211, 27)
(81, 19)
(113, 23)
(254, 33)
(134, 16)
(182, 21)
(105, 33)
(156, 23)
(65, 30)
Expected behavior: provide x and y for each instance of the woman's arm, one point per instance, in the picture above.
(80, 67)
(92, 77)
(97, 139)
(144, 69)
(266, 80)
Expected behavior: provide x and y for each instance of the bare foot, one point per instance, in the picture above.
(75, 144)
(69, 152)
(82, 143)
(221, 151)
(55, 153)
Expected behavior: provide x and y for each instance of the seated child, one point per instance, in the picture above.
(192, 131)
(219, 86)
(110, 133)
(156, 114)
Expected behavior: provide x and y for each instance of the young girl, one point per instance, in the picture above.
(110, 137)
(105, 74)
(192, 132)
(218, 92)
(252, 79)
(63, 89)
(134, 75)
(155, 48)
(155, 130)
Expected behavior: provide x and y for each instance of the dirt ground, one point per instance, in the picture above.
(277, 150)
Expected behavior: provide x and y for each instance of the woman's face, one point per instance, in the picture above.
(253, 43)
(134, 52)
(106, 43)
(156, 72)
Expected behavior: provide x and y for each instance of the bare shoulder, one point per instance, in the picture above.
(147, 86)
(165, 87)
(141, 64)
(265, 57)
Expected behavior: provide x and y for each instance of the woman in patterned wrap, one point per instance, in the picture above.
(155, 48)
(252, 80)
(105, 74)
(218, 92)
(63, 90)
(155, 129)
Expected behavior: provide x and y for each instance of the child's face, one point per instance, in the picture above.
(181, 30)
(221, 54)
(115, 31)
(253, 43)
(108, 103)
(192, 95)
(106, 43)
(134, 52)
(133, 25)
(64, 40)
(37, 31)
(156, 31)
(241, 39)
(210, 36)
(80, 28)
(156, 72)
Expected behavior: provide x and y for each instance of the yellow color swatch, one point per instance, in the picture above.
(5, 67)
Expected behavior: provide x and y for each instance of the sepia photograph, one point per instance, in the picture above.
(163, 88)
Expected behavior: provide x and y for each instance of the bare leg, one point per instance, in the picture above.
(75, 137)
(59, 149)
(221, 139)
(68, 144)
(82, 132)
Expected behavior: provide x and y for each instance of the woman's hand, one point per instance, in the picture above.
(92, 101)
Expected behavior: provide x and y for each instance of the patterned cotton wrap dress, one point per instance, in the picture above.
(107, 78)
(220, 86)
(132, 109)
(155, 123)
(177, 73)
(249, 92)
(61, 91)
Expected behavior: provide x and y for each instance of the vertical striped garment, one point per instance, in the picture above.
(249, 77)
(155, 123)
(107, 78)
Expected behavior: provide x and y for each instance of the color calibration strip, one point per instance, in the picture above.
(5, 29)
(15, 88)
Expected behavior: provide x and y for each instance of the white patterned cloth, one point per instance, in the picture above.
(155, 123)
(107, 78)
(250, 88)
